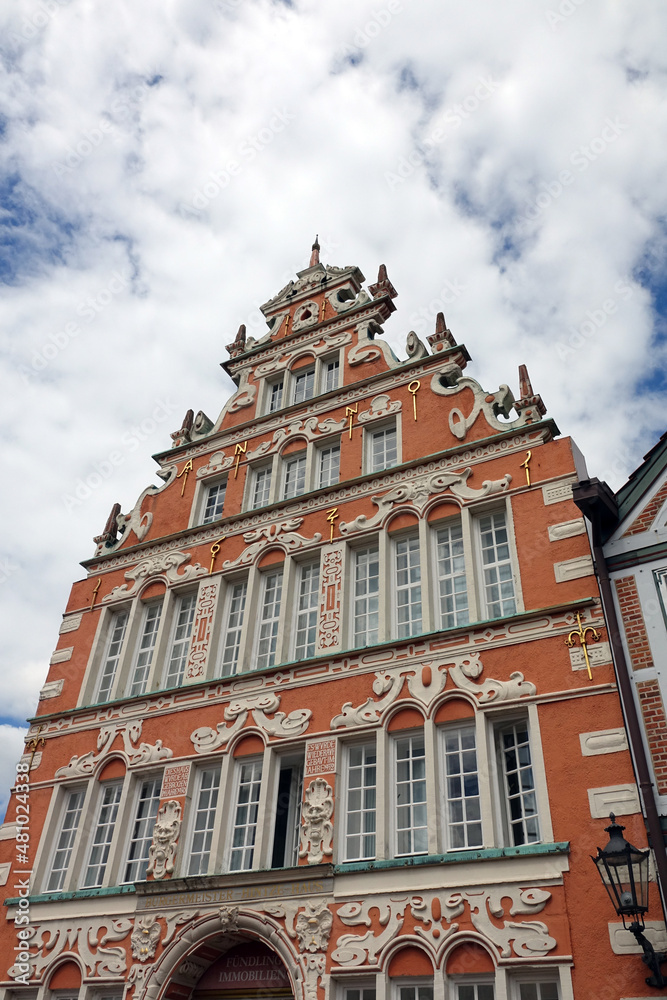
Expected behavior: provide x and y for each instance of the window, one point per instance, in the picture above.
(215, 499)
(261, 486)
(269, 620)
(463, 820)
(451, 572)
(294, 477)
(411, 828)
(65, 842)
(244, 827)
(359, 993)
(208, 782)
(329, 466)
(308, 602)
(360, 803)
(497, 577)
(102, 834)
(117, 627)
(475, 991)
(144, 658)
(418, 991)
(330, 375)
(515, 762)
(275, 396)
(287, 830)
(304, 385)
(184, 615)
(234, 625)
(538, 991)
(142, 830)
(383, 449)
(366, 596)
(408, 587)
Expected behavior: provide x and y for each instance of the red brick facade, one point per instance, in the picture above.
(655, 723)
(648, 515)
(633, 622)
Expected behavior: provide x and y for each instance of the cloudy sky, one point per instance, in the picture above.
(166, 165)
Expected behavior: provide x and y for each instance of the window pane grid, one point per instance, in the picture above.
(294, 482)
(116, 635)
(232, 640)
(104, 828)
(408, 587)
(215, 499)
(519, 784)
(498, 581)
(329, 465)
(411, 826)
(245, 816)
(421, 992)
(185, 616)
(304, 385)
(142, 831)
(538, 991)
(452, 587)
(146, 648)
(269, 621)
(384, 452)
(204, 821)
(276, 396)
(69, 826)
(475, 991)
(308, 606)
(366, 596)
(462, 799)
(361, 803)
(261, 487)
(331, 375)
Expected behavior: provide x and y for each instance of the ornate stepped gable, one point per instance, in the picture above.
(314, 694)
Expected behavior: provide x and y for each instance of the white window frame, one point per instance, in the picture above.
(506, 824)
(457, 728)
(306, 618)
(485, 602)
(475, 980)
(399, 587)
(137, 687)
(64, 810)
(370, 430)
(295, 764)
(538, 978)
(345, 835)
(269, 657)
(114, 786)
(333, 359)
(344, 987)
(294, 465)
(414, 828)
(214, 794)
(249, 840)
(185, 628)
(266, 468)
(296, 376)
(146, 830)
(275, 394)
(320, 452)
(414, 982)
(369, 636)
(108, 658)
(237, 592)
(206, 487)
(461, 615)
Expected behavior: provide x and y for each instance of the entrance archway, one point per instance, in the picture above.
(246, 972)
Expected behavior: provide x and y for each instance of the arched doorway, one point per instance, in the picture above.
(246, 972)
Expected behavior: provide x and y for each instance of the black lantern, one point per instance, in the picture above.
(624, 871)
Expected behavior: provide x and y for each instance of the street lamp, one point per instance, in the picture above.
(624, 872)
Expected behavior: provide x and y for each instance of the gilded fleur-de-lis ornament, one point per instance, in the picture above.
(581, 633)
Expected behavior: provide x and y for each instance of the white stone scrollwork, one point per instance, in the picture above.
(425, 683)
(89, 938)
(135, 521)
(310, 428)
(313, 925)
(528, 938)
(245, 394)
(206, 740)
(381, 406)
(136, 977)
(166, 565)
(162, 852)
(314, 967)
(145, 937)
(467, 669)
(418, 492)
(283, 535)
(490, 404)
(229, 918)
(176, 920)
(130, 732)
(316, 826)
(353, 950)
(305, 315)
(218, 462)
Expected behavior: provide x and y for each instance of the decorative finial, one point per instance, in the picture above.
(110, 533)
(315, 255)
(529, 404)
(383, 285)
(440, 325)
(238, 345)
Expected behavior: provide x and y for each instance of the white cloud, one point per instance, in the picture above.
(11, 748)
(120, 295)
